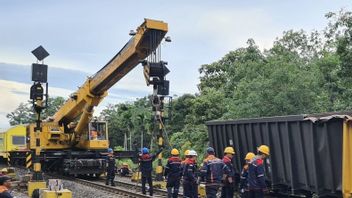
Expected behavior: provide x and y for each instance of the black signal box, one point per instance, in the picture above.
(39, 73)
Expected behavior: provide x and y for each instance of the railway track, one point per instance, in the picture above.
(111, 190)
(122, 189)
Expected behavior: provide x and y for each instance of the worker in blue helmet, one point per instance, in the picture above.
(213, 171)
(111, 167)
(146, 167)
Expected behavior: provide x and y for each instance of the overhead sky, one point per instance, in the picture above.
(83, 35)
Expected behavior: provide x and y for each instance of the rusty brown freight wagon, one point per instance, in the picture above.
(310, 154)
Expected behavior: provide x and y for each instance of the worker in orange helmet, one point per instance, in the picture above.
(244, 175)
(256, 175)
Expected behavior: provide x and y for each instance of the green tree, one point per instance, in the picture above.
(181, 110)
(24, 113)
(131, 119)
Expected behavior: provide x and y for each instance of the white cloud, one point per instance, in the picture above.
(13, 93)
(230, 28)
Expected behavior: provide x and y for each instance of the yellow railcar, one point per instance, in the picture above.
(13, 139)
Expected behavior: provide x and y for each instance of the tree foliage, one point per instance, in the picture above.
(24, 113)
(303, 72)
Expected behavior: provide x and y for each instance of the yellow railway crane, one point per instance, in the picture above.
(72, 142)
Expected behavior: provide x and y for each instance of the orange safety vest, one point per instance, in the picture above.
(3, 189)
(93, 134)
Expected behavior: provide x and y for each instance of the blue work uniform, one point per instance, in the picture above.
(256, 178)
(173, 173)
(190, 175)
(213, 171)
(244, 182)
(146, 168)
(110, 170)
(228, 188)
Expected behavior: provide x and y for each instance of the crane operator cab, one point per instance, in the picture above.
(97, 136)
(97, 130)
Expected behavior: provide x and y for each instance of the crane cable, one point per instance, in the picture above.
(164, 130)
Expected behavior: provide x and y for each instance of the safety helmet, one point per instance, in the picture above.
(110, 150)
(124, 164)
(229, 150)
(145, 150)
(210, 150)
(4, 170)
(186, 152)
(264, 149)
(249, 156)
(192, 153)
(174, 152)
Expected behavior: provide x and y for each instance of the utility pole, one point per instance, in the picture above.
(39, 76)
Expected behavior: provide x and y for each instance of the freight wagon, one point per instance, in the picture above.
(310, 154)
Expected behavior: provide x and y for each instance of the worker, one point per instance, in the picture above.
(173, 174)
(5, 185)
(146, 167)
(3, 172)
(93, 134)
(256, 176)
(244, 175)
(125, 171)
(111, 168)
(228, 182)
(186, 154)
(190, 175)
(212, 172)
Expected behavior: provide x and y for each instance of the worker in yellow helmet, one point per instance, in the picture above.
(173, 174)
(244, 175)
(256, 176)
(3, 172)
(228, 187)
(186, 156)
(124, 170)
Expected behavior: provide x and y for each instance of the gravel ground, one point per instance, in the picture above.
(78, 190)
(17, 194)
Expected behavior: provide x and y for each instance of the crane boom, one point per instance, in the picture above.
(72, 142)
(81, 103)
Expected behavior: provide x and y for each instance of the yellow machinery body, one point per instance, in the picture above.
(32, 185)
(347, 160)
(72, 142)
(201, 191)
(56, 194)
(136, 176)
(13, 139)
(53, 137)
(69, 126)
